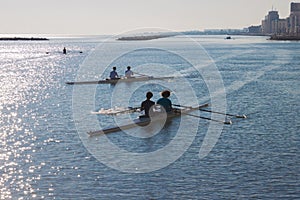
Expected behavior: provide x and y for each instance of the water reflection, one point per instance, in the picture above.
(26, 75)
(42, 157)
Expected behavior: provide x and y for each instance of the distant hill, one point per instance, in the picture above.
(145, 37)
(22, 39)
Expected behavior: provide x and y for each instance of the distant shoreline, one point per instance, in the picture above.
(285, 37)
(22, 39)
(143, 37)
(158, 36)
(186, 33)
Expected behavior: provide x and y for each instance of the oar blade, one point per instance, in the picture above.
(228, 122)
(241, 116)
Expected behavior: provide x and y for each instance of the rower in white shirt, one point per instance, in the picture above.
(128, 72)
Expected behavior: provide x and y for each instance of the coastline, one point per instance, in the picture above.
(22, 39)
(143, 37)
(285, 37)
(158, 36)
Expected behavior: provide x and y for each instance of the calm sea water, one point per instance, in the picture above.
(45, 152)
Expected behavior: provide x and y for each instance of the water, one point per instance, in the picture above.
(45, 152)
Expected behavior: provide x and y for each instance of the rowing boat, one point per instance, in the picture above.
(145, 121)
(119, 80)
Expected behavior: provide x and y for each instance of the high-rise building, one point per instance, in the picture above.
(269, 23)
(273, 25)
(294, 19)
(281, 27)
(295, 7)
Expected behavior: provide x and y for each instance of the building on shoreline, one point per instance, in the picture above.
(270, 22)
(294, 19)
(273, 25)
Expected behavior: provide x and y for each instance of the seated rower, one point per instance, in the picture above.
(128, 73)
(165, 102)
(147, 105)
(64, 50)
(114, 74)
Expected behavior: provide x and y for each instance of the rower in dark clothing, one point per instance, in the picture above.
(114, 74)
(147, 104)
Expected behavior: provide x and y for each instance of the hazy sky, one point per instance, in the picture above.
(98, 17)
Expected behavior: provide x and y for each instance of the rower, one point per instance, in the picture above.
(165, 102)
(147, 105)
(128, 72)
(114, 74)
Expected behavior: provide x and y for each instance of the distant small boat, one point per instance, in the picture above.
(123, 79)
(228, 38)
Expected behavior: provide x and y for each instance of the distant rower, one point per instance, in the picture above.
(114, 74)
(128, 72)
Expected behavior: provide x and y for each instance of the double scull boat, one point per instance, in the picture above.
(119, 80)
(145, 121)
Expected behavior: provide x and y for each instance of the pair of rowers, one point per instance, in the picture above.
(114, 74)
(164, 102)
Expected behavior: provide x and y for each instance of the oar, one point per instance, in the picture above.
(237, 116)
(142, 74)
(224, 122)
(132, 109)
(182, 106)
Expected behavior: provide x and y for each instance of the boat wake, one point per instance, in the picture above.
(115, 111)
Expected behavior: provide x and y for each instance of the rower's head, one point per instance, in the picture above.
(128, 67)
(114, 68)
(149, 95)
(165, 93)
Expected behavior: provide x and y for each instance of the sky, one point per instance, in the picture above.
(101, 17)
